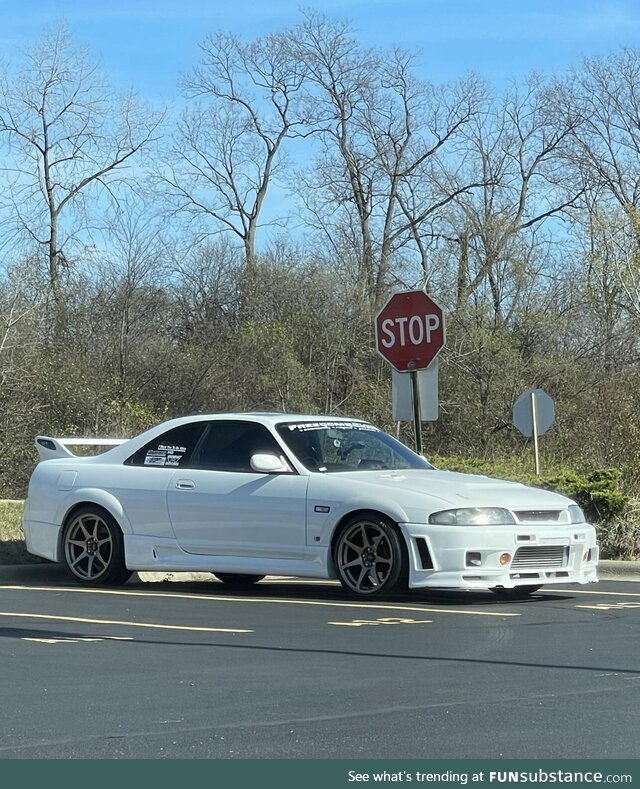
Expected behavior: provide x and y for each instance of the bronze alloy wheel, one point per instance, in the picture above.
(93, 547)
(370, 556)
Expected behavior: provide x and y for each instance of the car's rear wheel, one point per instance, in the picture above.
(94, 547)
(237, 579)
(370, 556)
(517, 593)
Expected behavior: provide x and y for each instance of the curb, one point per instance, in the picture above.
(614, 570)
(48, 572)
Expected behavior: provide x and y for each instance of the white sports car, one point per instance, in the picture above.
(248, 495)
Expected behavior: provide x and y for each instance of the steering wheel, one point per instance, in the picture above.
(369, 463)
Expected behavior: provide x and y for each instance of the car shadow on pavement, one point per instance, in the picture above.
(56, 636)
(333, 592)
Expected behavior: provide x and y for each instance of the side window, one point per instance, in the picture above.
(228, 446)
(170, 450)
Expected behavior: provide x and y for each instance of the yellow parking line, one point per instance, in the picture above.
(124, 623)
(385, 620)
(227, 599)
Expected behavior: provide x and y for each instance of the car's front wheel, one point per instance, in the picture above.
(370, 556)
(94, 548)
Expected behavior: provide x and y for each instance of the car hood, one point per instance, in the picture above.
(450, 488)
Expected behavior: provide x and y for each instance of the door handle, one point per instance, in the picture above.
(185, 484)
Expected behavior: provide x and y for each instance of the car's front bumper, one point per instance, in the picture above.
(472, 557)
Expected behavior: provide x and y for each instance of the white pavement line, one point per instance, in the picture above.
(78, 640)
(591, 592)
(124, 624)
(621, 606)
(220, 599)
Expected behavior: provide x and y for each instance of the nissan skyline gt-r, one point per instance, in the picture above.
(248, 495)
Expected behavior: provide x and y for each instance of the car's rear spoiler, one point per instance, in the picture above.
(49, 448)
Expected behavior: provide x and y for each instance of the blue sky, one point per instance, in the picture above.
(148, 43)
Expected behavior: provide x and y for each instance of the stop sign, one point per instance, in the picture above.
(410, 330)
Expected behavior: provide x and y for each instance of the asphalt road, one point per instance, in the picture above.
(294, 669)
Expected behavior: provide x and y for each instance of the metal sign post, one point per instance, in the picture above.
(417, 426)
(534, 423)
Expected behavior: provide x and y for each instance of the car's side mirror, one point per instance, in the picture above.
(269, 464)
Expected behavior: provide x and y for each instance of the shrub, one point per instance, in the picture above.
(597, 492)
(620, 538)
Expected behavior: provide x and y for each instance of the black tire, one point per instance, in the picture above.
(517, 593)
(237, 579)
(93, 548)
(370, 556)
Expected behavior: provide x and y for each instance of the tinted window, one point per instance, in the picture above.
(228, 446)
(170, 450)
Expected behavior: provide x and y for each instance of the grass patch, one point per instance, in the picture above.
(12, 546)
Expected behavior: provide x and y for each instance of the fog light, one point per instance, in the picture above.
(473, 559)
(505, 558)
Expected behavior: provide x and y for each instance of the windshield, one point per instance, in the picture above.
(347, 446)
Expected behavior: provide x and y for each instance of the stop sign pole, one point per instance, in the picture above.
(417, 416)
(409, 335)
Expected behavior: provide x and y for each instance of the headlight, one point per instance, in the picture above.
(576, 514)
(473, 516)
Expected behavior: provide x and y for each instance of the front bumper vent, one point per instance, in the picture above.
(541, 556)
(426, 562)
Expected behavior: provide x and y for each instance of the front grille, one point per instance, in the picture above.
(537, 516)
(541, 556)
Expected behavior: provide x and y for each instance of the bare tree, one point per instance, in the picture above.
(606, 151)
(133, 266)
(68, 138)
(605, 92)
(500, 279)
(518, 149)
(228, 146)
(373, 186)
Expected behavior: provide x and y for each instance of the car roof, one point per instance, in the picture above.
(266, 417)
